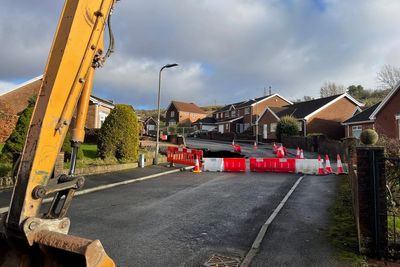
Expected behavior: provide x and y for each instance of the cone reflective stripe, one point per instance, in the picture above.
(328, 168)
(321, 170)
(298, 153)
(301, 154)
(197, 166)
(274, 148)
(255, 145)
(233, 142)
(339, 165)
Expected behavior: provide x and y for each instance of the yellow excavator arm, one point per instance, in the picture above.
(30, 238)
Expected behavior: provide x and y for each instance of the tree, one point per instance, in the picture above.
(388, 76)
(119, 135)
(356, 91)
(16, 141)
(331, 88)
(287, 126)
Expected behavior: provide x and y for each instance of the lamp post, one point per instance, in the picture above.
(158, 112)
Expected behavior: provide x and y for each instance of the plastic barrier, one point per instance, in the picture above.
(272, 165)
(185, 156)
(213, 164)
(307, 166)
(234, 164)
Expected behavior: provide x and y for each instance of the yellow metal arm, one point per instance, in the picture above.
(77, 44)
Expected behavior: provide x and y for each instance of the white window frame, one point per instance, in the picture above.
(172, 114)
(356, 128)
(273, 126)
(398, 124)
(226, 114)
(300, 126)
(227, 127)
(171, 122)
(247, 111)
(102, 117)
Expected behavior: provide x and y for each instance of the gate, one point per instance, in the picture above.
(392, 173)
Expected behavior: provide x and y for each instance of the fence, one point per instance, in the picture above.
(184, 156)
(392, 172)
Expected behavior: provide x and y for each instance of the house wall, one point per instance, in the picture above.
(92, 117)
(170, 118)
(267, 118)
(181, 117)
(349, 132)
(386, 122)
(328, 121)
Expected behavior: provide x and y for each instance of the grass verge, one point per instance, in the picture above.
(343, 229)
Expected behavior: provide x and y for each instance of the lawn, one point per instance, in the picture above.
(89, 151)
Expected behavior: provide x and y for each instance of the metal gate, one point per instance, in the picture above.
(392, 173)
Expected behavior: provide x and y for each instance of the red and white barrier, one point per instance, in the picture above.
(184, 156)
(307, 166)
(235, 164)
(213, 164)
(273, 165)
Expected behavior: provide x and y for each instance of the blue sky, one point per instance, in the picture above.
(227, 50)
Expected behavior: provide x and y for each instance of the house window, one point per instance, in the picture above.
(172, 113)
(246, 111)
(246, 126)
(356, 131)
(172, 122)
(103, 116)
(233, 113)
(272, 126)
(226, 126)
(398, 124)
(226, 114)
(300, 126)
(217, 116)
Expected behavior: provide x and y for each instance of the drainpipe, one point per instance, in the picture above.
(305, 128)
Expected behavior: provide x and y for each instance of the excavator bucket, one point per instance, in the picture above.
(52, 249)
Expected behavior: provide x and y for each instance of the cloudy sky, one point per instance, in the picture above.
(228, 50)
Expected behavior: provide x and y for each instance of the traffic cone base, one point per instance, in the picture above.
(196, 166)
(328, 168)
(298, 153)
(339, 166)
(301, 154)
(321, 170)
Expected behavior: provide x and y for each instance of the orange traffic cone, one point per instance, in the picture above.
(274, 148)
(328, 168)
(298, 153)
(197, 166)
(339, 165)
(280, 153)
(321, 170)
(301, 154)
(255, 145)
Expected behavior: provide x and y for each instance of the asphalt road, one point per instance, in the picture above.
(247, 149)
(181, 219)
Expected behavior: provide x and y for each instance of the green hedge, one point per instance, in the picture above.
(287, 126)
(119, 135)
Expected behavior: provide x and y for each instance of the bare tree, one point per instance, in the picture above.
(331, 88)
(388, 76)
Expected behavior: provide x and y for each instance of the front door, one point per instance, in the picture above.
(265, 131)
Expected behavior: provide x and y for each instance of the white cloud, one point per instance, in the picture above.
(228, 50)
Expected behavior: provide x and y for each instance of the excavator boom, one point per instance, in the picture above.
(76, 51)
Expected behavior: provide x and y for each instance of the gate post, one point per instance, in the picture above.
(372, 206)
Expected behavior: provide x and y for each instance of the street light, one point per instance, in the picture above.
(158, 108)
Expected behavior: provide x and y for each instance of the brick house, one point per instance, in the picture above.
(16, 100)
(150, 126)
(323, 115)
(183, 113)
(240, 117)
(384, 117)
